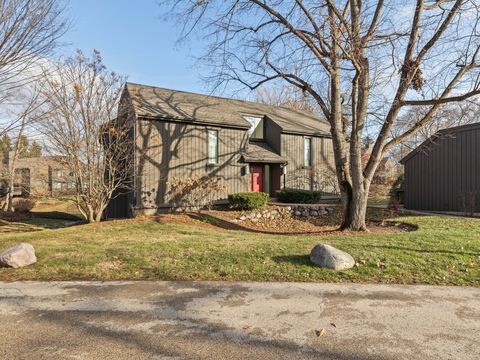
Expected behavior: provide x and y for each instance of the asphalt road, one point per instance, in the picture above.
(204, 320)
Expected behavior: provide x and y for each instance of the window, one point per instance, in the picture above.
(212, 147)
(257, 131)
(307, 152)
(56, 185)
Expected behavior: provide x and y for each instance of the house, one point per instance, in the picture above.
(37, 176)
(443, 173)
(251, 146)
(387, 170)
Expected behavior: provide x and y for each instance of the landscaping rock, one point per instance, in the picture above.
(305, 213)
(18, 256)
(313, 213)
(297, 213)
(327, 256)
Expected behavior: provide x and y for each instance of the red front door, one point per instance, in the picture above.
(256, 178)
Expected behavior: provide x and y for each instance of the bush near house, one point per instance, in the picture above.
(24, 205)
(247, 200)
(297, 196)
(196, 192)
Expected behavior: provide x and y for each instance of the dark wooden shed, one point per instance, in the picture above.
(443, 174)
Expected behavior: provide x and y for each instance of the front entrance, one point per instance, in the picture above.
(256, 178)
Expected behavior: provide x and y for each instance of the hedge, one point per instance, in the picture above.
(297, 196)
(247, 200)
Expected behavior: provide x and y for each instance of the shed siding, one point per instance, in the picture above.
(166, 150)
(445, 175)
(299, 177)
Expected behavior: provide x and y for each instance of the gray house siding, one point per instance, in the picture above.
(167, 150)
(170, 137)
(444, 173)
(297, 175)
(273, 134)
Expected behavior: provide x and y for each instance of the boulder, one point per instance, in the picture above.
(327, 256)
(18, 256)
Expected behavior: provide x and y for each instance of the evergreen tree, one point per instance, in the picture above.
(23, 146)
(35, 150)
(5, 143)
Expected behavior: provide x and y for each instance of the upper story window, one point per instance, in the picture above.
(307, 152)
(212, 147)
(257, 131)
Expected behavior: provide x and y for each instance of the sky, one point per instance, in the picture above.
(136, 41)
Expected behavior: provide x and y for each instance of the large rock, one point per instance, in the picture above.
(18, 256)
(327, 256)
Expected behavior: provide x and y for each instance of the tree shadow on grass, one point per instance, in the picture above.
(57, 215)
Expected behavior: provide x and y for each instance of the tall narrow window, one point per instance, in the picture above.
(212, 147)
(307, 148)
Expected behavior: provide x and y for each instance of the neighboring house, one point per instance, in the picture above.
(251, 146)
(387, 171)
(37, 176)
(443, 174)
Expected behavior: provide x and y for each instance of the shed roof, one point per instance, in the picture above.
(438, 134)
(159, 103)
(262, 153)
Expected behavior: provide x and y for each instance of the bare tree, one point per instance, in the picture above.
(451, 115)
(365, 63)
(287, 96)
(83, 127)
(24, 116)
(29, 30)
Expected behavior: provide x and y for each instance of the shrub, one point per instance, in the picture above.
(24, 205)
(398, 184)
(297, 196)
(196, 192)
(247, 200)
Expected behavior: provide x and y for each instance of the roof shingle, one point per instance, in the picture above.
(159, 103)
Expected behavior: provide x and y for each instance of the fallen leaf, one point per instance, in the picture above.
(320, 332)
(333, 324)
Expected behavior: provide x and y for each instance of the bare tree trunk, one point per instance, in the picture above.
(355, 208)
(12, 167)
(10, 190)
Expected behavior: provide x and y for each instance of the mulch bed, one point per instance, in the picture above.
(288, 224)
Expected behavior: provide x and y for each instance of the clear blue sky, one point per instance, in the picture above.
(135, 41)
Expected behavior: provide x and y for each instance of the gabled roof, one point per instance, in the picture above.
(262, 153)
(437, 135)
(166, 104)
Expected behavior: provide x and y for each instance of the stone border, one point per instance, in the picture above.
(305, 211)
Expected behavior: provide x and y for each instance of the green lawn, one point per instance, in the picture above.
(444, 250)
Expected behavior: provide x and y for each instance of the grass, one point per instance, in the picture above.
(63, 205)
(444, 250)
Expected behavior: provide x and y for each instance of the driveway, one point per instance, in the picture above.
(205, 320)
